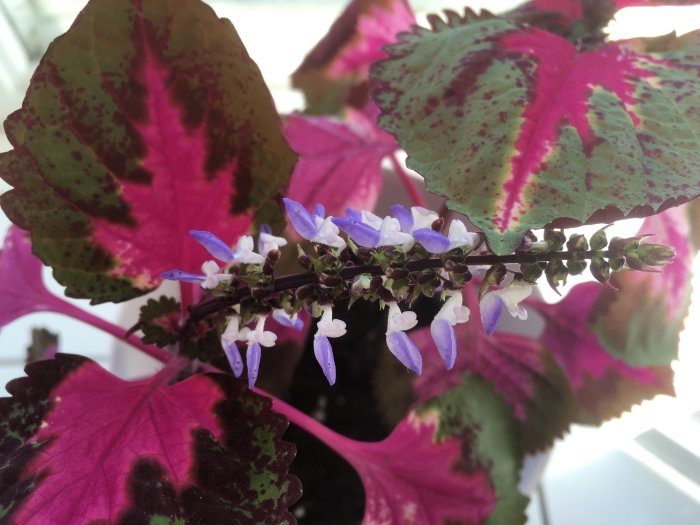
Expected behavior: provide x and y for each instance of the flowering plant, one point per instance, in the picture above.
(148, 149)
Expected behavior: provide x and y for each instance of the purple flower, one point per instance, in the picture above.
(492, 304)
(215, 246)
(314, 227)
(398, 342)
(442, 329)
(324, 356)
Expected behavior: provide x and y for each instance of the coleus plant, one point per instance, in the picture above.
(147, 121)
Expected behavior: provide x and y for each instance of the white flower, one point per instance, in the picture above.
(328, 326)
(212, 275)
(390, 234)
(327, 233)
(492, 304)
(459, 236)
(259, 335)
(269, 242)
(423, 218)
(244, 251)
(399, 321)
(453, 311)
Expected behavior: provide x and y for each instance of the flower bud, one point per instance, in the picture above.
(555, 239)
(577, 243)
(396, 273)
(330, 280)
(493, 277)
(305, 261)
(437, 224)
(616, 263)
(556, 273)
(531, 272)
(600, 269)
(576, 267)
(599, 240)
(360, 284)
(655, 254)
(424, 277)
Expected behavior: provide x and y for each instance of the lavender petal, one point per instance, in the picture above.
(404, 216)
(353, 214)
(431, 240)
(302, 222)
(179, 275)
(405, 351)
(234, 358)
(324, 356)
(252, 358)
(491, 307)
(320, 211)
(215, 246)
(444, 336)
(362, 234)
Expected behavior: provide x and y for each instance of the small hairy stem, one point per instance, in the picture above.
(290, 282)
(405, 178)
(65, 308)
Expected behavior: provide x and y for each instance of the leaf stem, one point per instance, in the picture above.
(66, 308)
(405, 179)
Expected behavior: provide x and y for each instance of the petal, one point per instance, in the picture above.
(234, 358)
(265, 228)
(302, 222)
(268, 338)
(210, 268)
(252, 358)
(324, 356)
(444, 336)
(285, 319)
(405, 351)
(320, 211)
(352, 213)
(179, 275)
(404, 217)
(432, 241)
(423, 218)
(358, 232)
(491, 307)
(215, 246)
(459, 236)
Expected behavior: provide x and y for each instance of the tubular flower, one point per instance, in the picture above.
(268, 242)
(290, 321)
(369, 231)
(398, 342)
(327, 327)
(442, 329)
(228, 342)
(256, 338)
(492, 304)
(457, 237)
(314, 227)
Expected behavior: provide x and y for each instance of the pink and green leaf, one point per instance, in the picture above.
(520, 130)
(339, 161)
(141, 123)
(605, 386)
(334, 73)
(641, 324)
(77, 441)
(520, 369)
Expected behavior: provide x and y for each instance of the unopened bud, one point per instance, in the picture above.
(330, 280)
(555, 239)
(600, 269)
(438, 224)
(655, 254)
(576, 267)
(616, 263)
(556, 273)
(493, 277)
(425, 277)
(305, 262)
(577, 243)
(599, 240)
(531, 272)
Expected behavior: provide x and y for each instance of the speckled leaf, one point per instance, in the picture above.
(340, 161)
(520, 368)
(334, 73)
(146, 119)
(79, 445)
(519, 130)
(605, 386)
(474, 413)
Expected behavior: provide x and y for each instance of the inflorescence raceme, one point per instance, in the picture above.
(393, 260)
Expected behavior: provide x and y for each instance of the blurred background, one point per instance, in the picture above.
(643, 468)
